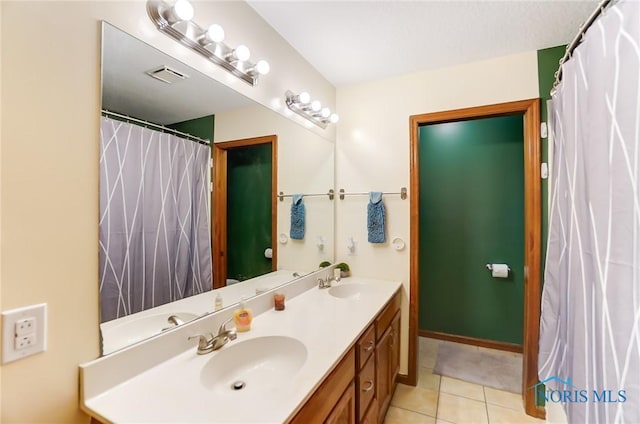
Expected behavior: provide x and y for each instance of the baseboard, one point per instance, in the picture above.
(404, 379)
(491, 344)
(538, 412)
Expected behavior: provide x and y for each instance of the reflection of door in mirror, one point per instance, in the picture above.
(244, 212)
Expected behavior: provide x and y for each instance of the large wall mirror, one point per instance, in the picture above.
(178, 237)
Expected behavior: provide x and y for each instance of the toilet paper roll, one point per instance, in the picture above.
(499, 270)
(268, 253)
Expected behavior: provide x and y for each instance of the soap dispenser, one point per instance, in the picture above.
(242, 317)
(218, 302)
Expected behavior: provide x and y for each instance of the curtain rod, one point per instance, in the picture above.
(578, 39)
(161, 127)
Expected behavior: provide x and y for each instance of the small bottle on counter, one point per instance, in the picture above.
(242, 317)
(278, 301)
(218, 302)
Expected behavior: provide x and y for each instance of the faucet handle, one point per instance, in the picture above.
(203, 340)
(223, 326)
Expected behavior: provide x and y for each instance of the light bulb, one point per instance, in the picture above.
(215, 33)
(262, 67)
(334, 118)
(325, 112)
(242, 53)
(304, 97)
(183, 10)
(316, 106)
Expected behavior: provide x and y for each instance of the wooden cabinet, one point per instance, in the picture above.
(366, 366)
(394, 354)
(371, 416)
(345, 410)
(366, 384)
(324, 401)
(360, 387)
(387, 354)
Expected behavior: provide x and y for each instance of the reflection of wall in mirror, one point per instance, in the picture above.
(305, 165)
(121, 332)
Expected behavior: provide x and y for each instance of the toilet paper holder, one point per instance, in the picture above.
(490, 267)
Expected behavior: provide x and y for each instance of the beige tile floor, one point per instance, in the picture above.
(445, 400)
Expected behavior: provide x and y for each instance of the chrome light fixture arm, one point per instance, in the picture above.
(310, 110)
(190, 34)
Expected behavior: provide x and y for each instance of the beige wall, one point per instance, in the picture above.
(305, 165)
(372, 149)
(49, 172)
(49, 197)
(0, 192)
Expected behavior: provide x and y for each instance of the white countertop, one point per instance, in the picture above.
(172, 392)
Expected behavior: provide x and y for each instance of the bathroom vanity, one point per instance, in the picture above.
(331, 356)
(360, 387)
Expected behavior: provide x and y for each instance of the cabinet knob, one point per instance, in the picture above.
(370, 346)
(369, 386)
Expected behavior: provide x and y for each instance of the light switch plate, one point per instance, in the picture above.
(37, 340)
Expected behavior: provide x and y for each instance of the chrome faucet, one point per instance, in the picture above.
(207, 343)
(175, 320)
(324, 283)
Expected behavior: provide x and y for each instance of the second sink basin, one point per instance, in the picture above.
(258, 364)
(347, 290)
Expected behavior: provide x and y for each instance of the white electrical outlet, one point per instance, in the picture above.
(25, 326)
(25, 341)
(24, 332)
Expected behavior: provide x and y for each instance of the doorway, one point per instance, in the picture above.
(244, 212)
(532, 245)
(472, 215)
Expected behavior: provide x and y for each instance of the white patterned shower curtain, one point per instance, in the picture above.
(590, 322)
(155, 242)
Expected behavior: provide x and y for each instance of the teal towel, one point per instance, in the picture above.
(297, 218)
(375, 218)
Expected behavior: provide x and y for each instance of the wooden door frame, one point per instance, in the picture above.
(532, 229)
(219, 203)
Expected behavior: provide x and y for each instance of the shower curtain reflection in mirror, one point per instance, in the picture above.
(155, 244)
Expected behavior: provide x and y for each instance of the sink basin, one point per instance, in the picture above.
(255, 365)
(352, 291)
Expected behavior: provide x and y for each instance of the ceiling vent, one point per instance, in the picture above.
(166, 74)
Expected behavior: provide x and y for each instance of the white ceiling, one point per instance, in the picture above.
(355, 41)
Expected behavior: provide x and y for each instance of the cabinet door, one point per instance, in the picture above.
(383, 388)
(371, 417)
(394, 351)
(365, 386)
(345, 410)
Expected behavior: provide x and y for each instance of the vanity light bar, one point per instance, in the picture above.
(309, 109)
(174, 20)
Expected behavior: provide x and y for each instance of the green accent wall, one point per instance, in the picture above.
(548, 60)
(471, 214)
(200, 127)
(249, 172)
(548, 63)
